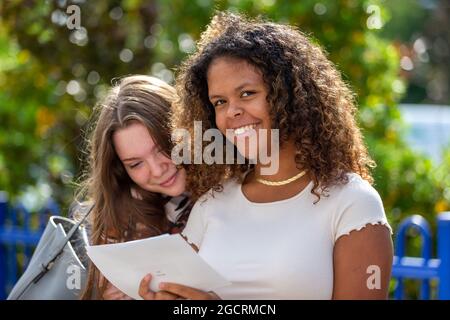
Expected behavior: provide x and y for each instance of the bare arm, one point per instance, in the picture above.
(362, 264)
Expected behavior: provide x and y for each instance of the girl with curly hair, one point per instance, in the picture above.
(314, 229)
(137, 190)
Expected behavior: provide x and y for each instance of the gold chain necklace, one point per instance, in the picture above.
(282, 182)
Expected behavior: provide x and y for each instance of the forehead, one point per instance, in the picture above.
(133, 141)
(225, 71)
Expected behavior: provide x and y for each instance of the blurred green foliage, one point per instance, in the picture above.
(50, 77)
(421, 30)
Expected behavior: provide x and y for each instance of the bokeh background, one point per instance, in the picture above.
(394, 54)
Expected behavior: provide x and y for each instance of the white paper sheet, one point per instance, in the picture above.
(169, 258)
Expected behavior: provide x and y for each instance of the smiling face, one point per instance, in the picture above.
(238, 93)
(145, 163)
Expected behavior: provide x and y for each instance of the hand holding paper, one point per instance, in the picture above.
(168, 258)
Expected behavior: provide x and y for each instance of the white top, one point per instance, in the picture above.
(281, 249)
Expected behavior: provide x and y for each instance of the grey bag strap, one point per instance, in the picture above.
(48, 263)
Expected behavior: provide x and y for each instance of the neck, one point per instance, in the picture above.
(287, 166)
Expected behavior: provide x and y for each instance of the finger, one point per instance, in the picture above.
(110, 289)
(164, 295)
(126, 297)
(144, 288)
(112, 294)
(183, 291)
(115, 296)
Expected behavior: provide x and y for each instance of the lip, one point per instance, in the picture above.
(244, 125)
(169, 182)
(246, 133)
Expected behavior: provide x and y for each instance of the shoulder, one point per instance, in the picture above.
(356, 190)
(229, 190)
(357, 204)
(207, 206)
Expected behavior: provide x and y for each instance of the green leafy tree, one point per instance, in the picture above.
(51, 76)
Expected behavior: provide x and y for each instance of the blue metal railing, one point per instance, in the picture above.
(18, 238)
(424, 268)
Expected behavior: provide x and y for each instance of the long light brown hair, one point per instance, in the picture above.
(117, 212)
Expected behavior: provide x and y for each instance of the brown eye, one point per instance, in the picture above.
(218, 102)
(247, 94)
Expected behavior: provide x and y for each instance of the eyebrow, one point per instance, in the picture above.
(236, 89)
(130, 159)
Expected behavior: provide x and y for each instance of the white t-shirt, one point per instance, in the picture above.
(281, 249)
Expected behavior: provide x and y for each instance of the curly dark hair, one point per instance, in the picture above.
(310, 103)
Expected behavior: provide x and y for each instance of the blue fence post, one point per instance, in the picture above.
(443, 222)
(3, 214)
(420, 224)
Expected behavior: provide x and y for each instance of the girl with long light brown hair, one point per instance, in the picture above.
(137, 190)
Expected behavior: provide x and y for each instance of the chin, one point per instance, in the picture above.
(175, 191)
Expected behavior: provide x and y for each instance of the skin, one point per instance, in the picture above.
(239, 102)
(238, 93)
(351, 260)
(112, 293)
(145, 163)
(149, 168)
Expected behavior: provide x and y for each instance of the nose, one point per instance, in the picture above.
(157, 167)
(234, 109)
